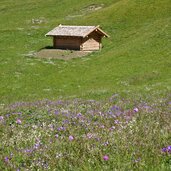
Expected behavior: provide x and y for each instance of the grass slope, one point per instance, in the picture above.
(136, 58)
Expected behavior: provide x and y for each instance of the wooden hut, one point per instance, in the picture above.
(85, 38)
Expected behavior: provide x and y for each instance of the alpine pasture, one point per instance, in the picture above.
(109, 110)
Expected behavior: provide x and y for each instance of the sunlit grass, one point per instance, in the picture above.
(136, 55)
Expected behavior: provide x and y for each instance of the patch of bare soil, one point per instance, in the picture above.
(92, 7)
(86, 10)
(61, 54)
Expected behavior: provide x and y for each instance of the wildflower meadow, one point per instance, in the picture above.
(114, 134)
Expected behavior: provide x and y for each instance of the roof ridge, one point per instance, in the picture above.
(74, 30)
(60, 25)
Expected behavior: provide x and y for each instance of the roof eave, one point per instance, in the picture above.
(104, 33)
(47, 35)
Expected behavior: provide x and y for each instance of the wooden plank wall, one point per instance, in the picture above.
(72, 43)
(92, 42)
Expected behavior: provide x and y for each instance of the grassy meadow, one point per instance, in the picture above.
(135, 58)
(115, 134)
(109, 110)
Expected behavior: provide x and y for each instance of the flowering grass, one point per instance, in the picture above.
(115, 134)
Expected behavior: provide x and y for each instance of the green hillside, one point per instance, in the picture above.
(136, 57)
(109, 110)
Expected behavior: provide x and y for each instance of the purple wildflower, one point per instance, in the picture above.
(169, 148)
(116, 122)
(7, 115)
(66, 121)
(110, 112)
(6, 159)
(106, 143)
(105, 157)
(90, 135)
(1, 118)
(164, 150)
(79, 115)
(115, 108)
(71, 138)
(102, 126)
(56, 136)
(112, 128)
(36, 146)
(61, 128)
(118, 113)
(97, 139)
(136, 109)
(18, 121)
(56, 112)
(28, 151)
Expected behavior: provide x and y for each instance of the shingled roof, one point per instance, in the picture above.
(76, 31)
